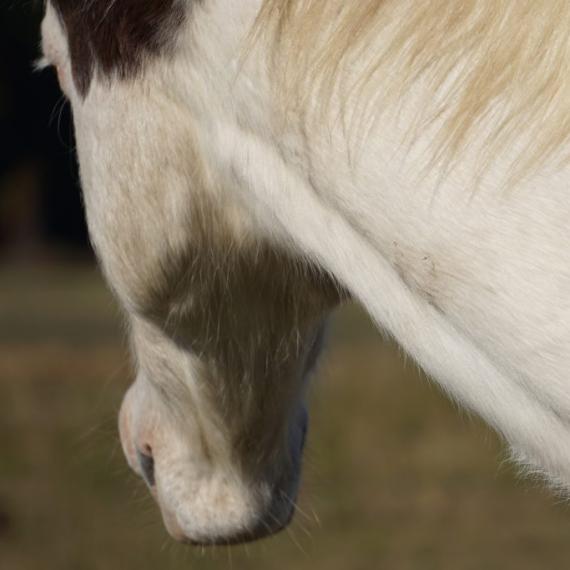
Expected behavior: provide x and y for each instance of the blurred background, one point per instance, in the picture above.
(395, 477)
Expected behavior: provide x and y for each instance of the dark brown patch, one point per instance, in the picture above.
(252, 311)
(114, 36)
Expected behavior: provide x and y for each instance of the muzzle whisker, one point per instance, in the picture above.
(230, 558)
(296, 542)
(296, 506)
(305, 530)
(317, 519)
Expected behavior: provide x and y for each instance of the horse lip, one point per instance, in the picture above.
(267, 525)
(262, 531)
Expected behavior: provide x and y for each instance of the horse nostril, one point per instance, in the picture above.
(146, 462)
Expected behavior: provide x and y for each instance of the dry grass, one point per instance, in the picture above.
(396, 477)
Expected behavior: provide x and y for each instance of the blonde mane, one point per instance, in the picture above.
(506, 57)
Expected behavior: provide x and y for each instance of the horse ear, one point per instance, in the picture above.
(115, 37)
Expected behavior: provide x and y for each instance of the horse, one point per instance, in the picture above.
(249, 166)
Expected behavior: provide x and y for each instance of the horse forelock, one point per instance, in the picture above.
(115, 36)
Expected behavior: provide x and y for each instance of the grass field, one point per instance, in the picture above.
(395, 478)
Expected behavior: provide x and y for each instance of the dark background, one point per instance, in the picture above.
(40, 206)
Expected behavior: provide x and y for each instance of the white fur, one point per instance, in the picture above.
(472, 279)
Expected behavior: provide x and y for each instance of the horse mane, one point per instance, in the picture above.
(500, 59)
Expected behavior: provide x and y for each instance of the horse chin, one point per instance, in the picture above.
(264, 525)
(221, 515)
(224, 508)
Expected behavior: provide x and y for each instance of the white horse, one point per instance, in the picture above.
(247, 165)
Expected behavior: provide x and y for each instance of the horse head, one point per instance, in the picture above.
(226, 322)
